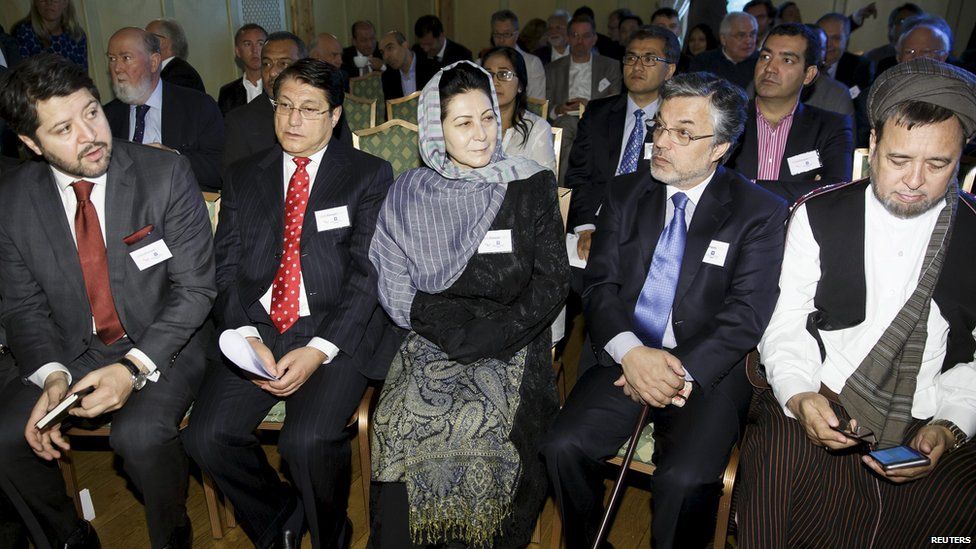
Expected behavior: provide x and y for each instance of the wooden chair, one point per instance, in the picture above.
(557, 143)
(360, 112)
(368, 87)
(861, 166)
(403, 108)
(394, 141)
(538, 106)
(967, 182)
(582, 108)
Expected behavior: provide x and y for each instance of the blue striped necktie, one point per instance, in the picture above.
(657, 295)
(634, 144)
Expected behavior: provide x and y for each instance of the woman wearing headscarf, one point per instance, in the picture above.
(472, 261)
(51, 26)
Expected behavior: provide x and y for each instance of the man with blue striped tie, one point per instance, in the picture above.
(680, 285)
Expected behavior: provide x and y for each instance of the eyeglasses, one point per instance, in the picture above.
(931, 54)
(504, 35)
(284, 109)
(279, 63)
(744, 35)
(578, 36)
(678, 136)
(646, 59)
(503, 75)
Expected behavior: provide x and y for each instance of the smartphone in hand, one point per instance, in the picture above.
(899, 457)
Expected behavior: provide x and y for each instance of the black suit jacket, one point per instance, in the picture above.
(595, 155)
(11, 51)
(340, 281)
(813, 129)
(392, 88)
(719, 312)
(46, 312)
(180, 72)
(854, 70)
(453, 52)
(231, 96)
(348, 65)
(192, 125)
(715, 61)
(250, 130)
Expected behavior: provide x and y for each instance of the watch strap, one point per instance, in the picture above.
(959, 436)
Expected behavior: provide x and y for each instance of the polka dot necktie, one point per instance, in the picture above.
(284, 292)
(140, 132)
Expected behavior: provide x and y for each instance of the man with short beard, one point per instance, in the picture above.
(107, 270)
(162, 115)
(871, 343)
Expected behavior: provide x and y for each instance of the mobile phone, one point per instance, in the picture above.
(899, 457)
(857, 433)
(60, 412)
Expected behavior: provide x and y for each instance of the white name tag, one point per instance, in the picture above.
(855, 91)
(716, 252)
(648, 150)
(332, 218)
(603, 85)
(803, 163)
(150, 255)
(497, 242)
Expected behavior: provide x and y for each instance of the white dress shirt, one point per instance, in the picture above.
(894, 249)
(288, 169)
(537, 144)
(252, 90)
(154, 117)
(581, 78)
(440, 54)
(536, 73)
(623, 342)
(66, 192)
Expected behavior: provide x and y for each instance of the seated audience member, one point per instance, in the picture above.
(788, 12)
(556, 38)
(406, 72)
(874, 327)
(699, 40)
(523, 132)
(248, 41)
(328, 49)
(607, 46)
(433, 44)
(735, 61)
(173, 50)
(612, 133)
(895, 20)
(765, 14)
(52, 27)
(852, 70)
(322, 343)
(478, 348)
(669, 19)
(148, 110)
(672, 332)
(628, 25)
(363, 56)
(613, 22)
(785, 140)
(505, 32)
(825, 93)
(78, 313)
(532, 34)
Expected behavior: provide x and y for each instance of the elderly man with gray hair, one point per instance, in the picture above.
(174, 51)
(735, 61)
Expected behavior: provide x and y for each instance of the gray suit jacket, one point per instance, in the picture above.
(557, 79)
(830, 95)
(46, 313)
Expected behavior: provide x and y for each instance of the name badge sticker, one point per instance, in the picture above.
(648, 150)
(332, 218)
(497, 242)
(150, 255)
(804, 162)
(716, 252)
(855, 91)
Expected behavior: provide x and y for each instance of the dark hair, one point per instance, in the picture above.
(285, 35)
(907, 6)
(39, 78)
(818, 32)
(770, 10)
(505, 15)
(584, 10)
(671, 46)
(670, 13)
(913, 113)
(640, 22)
(428, 24)
(583, 19)
(783, 7)
(711, 42)
(812, 54)
(318, 74)
(834, 16)
(248, 27)
(728, 103)
(462, 78)
(360, 23)
(521, 98)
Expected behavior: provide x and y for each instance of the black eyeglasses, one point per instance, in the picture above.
(284, 109)
(646, 59)
(678, 136)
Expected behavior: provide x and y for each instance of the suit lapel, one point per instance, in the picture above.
(45, 195)
(710, 214)
(171, 132)
(651, 213)
(271, 188)
(748, 155)
(119, 197)
(798, 142)
(331, 177)
(617, 119)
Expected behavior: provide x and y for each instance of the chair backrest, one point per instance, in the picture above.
(538, 106)
(582, 108)
(967, 182)
(557, 142)
(360, 112)
(403, 108)
(213, 208)
(861, 166)
(565, 195)
(369, 86)
(395, 141)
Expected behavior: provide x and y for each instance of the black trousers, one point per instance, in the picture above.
(145, 434)
(692, 445)
(313, 442)
(13, 531)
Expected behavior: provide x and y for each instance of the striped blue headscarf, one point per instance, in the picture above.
(435, 217)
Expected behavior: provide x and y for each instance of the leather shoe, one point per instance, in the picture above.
(83, 537)
(181, 538)
(287, 540)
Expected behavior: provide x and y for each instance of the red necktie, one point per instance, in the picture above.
(284, 292)
(94, 265)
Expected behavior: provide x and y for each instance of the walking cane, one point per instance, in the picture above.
(619, 487)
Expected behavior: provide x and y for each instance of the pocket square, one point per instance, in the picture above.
(138, 235)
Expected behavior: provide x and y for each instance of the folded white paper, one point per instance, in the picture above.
(236, 348)
(574, 258)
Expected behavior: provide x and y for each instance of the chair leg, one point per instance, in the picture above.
(556, 537)
(537, 533)
(229, 518)
(725, 502)
(213, 507)
(365, 466)
(67, 466)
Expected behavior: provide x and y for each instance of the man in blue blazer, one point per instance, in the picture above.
(680, 284)
(294, 278)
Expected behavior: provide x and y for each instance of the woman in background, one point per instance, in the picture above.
(51, 26)
(700, 39)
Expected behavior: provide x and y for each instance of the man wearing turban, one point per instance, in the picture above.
(871, 345)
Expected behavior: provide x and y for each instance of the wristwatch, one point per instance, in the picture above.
(954, 429)
(138, 378)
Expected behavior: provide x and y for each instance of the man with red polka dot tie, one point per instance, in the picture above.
(294, 279)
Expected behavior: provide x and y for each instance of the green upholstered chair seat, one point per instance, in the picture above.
(645, 447)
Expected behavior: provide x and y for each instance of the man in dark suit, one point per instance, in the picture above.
(248, 41)
(307, 305)
(680, 284)
(791, 147)
(9, 58)
(363, 56)
(736, 59)
(173, 49)
(854, 71)
(433, 44)
(406, 72)
(556, 38)
(107, 270)
(166, 116)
